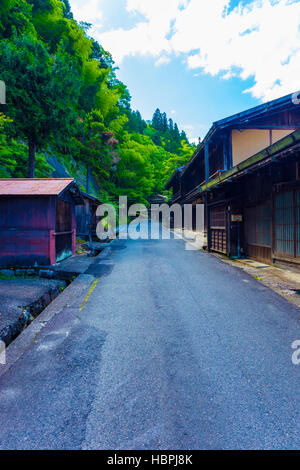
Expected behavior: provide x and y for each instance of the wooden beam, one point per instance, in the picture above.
(206, 153)
(226, 152)
(230, 161)
(266, 127)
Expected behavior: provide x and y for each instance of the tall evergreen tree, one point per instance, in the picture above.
(176, 133)
(157, 120)
(183, 136)
(164, 122)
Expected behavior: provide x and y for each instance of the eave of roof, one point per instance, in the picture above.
(33, 186)
(178, 170)
(236, 118)
(89, 196)
(280, 146)
(39, 187)
(256, 111)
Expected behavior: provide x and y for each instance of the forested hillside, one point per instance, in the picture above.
(66, 104)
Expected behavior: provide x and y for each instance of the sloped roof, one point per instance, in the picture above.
(177, 171)
(33, 186)
(89, 196)
(256, 111)
(285, 102)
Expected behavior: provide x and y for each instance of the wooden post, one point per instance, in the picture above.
(206, 152)
(228, 229)
(73, 231)
(230, 161)
(74, 241)
(52, 249)
(273, 196)
(225, 152)
(207, 213)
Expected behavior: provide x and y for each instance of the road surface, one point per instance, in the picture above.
(174, 349)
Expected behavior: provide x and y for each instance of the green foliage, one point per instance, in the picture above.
(15, 17)
(14, 155)
(41, 91)
(64, 99)
(165, 132)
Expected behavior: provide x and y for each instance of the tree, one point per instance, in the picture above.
(13, 155)
(164, 122)
(157, 120)
(67, 9)
(183, 136)
(134, 176)
(176, 133)
(15, 16)
(64, 96)
(104, 57)
(42, 91)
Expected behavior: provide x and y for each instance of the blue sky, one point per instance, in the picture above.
(199, 60)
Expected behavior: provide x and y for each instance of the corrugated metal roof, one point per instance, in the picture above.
(33, 187)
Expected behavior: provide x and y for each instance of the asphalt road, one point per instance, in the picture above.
(173, 350)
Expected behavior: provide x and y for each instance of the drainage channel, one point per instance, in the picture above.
(26, 292)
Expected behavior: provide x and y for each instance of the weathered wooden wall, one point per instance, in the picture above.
(36, 230)
(25, 227)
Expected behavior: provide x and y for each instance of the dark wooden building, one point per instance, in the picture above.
(254, 210)
(246, 172)
(38, 225)
(175, 183)
(86, 218)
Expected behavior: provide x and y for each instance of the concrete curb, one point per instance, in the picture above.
(30, 311)
(72, 297)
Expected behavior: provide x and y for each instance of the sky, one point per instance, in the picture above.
(199, 60)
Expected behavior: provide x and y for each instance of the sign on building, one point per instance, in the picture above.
(236, 218)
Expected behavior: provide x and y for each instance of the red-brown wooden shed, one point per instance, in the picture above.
(86, 217)
(37, 220)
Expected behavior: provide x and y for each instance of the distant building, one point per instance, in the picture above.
(175, 183)
(38, 224)
(157, 199)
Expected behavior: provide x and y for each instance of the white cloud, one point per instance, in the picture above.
(163, 60)
(88, 11)
(141, 40)
(147, 37)
(261, 40)
(190, 132)
(193, 132)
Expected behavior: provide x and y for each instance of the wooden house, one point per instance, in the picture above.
(86, 218)
(174, 183)
(246, 172)
(38, 225)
